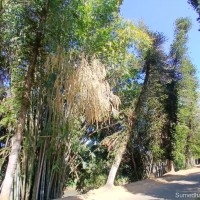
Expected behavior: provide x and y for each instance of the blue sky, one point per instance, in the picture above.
(160, 15)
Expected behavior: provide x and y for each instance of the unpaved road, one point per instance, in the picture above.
(184, 184)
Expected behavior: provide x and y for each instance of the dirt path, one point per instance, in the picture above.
(184, 184)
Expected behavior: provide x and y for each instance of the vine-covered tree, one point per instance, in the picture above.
(178, 53)
(148, 139)
(187, 127)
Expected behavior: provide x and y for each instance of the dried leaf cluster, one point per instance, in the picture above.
(81, 88)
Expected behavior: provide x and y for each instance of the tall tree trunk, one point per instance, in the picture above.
(131, 125)
(13, 158)
(121, 150)
(170, 166)
(17, 138)
(187, 153)
(25, 103)
(187, 147)
(116, 163)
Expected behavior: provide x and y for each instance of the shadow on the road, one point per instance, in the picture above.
(171, 186)
(168, 187)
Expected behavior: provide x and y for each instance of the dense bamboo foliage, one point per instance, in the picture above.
(87, 97)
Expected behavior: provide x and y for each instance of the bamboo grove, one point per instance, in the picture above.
(89, 99)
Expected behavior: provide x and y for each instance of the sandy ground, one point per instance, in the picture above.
(184, 184)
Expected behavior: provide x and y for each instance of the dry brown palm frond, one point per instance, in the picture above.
(86, 90)
(115, 141)
(111, 140)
